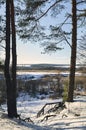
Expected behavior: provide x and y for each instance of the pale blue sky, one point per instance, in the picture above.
(31, 53)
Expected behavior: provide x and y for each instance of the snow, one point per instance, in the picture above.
(73, 117)
(39, 75)
(33, 75)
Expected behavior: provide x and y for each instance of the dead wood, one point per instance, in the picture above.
(76, 114)
(29, 120)
(56, 107)
(25, 120)
(64, 115)
(41, 112)
(46, 117)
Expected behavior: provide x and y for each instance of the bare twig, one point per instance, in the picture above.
(48, 10)
(2, 46)
(80, 2)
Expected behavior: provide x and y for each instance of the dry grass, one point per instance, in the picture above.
(39, 70)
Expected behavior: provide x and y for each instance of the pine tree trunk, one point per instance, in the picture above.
(7, 61)
(13, 59)
(73, 52)
(10, 81)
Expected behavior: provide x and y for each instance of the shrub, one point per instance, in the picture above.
(65, 91)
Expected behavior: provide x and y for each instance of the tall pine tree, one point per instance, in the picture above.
(10, 80)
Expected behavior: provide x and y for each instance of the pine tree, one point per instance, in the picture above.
(73, 52)
(10, 81)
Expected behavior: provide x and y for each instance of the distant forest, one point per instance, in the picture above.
(47, 67)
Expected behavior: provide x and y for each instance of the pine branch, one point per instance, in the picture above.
(80, 2)
(48, 10)
(2, 46)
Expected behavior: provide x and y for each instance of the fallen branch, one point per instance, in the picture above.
(41, 112)
(46, 117)
(56, 107)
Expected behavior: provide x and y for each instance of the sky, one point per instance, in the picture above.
(31, 53)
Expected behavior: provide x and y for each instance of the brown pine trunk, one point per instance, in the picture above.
(7, 61)
(13, 58)
(73, 52)
(10, 81)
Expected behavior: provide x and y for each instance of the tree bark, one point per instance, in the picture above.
(7, 61)
(10, 81)
(14, 59)
(73, 52)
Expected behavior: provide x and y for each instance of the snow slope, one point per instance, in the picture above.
(73, 117)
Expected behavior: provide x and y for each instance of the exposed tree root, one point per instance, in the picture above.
(25, 120)
(57, 105)
(46, 117)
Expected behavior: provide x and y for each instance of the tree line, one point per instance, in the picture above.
(28, 15)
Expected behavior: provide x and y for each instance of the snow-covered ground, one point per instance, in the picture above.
(37, 75)
(72, 118)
